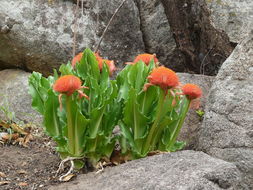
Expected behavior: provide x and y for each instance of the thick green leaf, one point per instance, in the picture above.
(137, 76)
(51, 119)
(133, 117)
(122, 83)
(77, 125)
(167, 135)
(38, 87)
(127, 133)
(66, 69)
(96, 121)
(148, 100)
(179, 145)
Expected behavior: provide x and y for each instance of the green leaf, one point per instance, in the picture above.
(133, 117)
(96, 120)
(122, 83)
(51, 119)
(169, 131)
(179, 145)
(137, 76)
(38, 87)
(77, 125)
(148, 99)
(66, 69)
(88, 66)
(126, 132)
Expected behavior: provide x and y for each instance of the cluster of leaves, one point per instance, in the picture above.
(83, 127)
(149, 120)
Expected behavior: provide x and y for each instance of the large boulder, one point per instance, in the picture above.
(14, 97)
(227, 130)
(233, 16)
(38, 35)
(157, 35)
(180, 170)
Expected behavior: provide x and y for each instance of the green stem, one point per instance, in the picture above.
(71, 130)
(184, 111)
(151, 134)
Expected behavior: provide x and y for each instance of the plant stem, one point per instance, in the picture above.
(71, 130)
(151, 134)
(184, 111)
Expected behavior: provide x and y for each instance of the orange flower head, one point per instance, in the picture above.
(163, 77)
(67, 84)
(146, 58)
(76, 59)
(192, 91)
(109, 63)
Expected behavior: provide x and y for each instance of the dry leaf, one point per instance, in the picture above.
(68, 177)
(27, 139)
(2, 174)
(157, 152)
(4, 182)
(22, 184)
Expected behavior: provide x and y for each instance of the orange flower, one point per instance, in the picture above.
(163, 77)
(192, 91)
(146, 58)
(76, 59)
(68, 84)
(109, 63)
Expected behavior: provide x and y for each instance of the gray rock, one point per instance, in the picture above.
(156, 32)
(38, 35)
(179, 170)
(193, 121)
(233, 16)
(227, 130)
(14, 97)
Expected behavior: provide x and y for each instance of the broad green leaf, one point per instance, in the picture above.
(179, 145)
(92, 61)
(165, 121)
(96, 121)
(148, 100)
(51, 119)
(126, 132)
(38, 91)
(133, 117)
(167, 135)
(122, 83)
(137, 76)
(66, 69)
(77, 125)
(105, 79)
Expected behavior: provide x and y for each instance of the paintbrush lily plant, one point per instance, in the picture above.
(81, 106)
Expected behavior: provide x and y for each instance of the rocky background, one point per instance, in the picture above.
(38, 35)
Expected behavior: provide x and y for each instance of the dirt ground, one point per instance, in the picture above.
(31, 167)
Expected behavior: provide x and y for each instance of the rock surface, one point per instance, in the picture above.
(227, 130)
(38, 35)
(193, 121)
(233, 16)
(14, 96)
(156, 31)
(180, 170)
